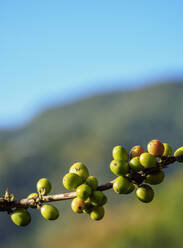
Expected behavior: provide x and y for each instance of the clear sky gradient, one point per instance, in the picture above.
(59, 50)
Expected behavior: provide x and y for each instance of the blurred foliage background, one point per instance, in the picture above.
(86, 131)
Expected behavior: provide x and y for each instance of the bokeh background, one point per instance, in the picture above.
(76, 79)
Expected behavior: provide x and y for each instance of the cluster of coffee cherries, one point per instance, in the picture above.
(128, 166)
(88, 199)
(137, 170)
(21, 217)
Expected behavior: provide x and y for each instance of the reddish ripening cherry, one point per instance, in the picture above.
(78, 205)
(136, 151)
(155, 148)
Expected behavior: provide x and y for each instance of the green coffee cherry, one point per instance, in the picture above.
(92, 182)
(130, 189)
(136, 151)
(71, 181)
(77, 205)
(145, 193)
(179, 152)
(119, 168)
(83, 191)
(43, 186)
(167, 150)
(32, 195)
(121, 185)
(147, 160)
(21, 217)
(155, 148)
(98, 198)
(135, 164)
(119, 153)
(155, 178)
(88, 208)
(49, 212)
(80, 169)
(97, 213)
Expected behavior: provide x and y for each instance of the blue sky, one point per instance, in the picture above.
(59, 50)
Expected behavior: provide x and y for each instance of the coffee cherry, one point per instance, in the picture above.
(21, 217)
(119, 168)
(179, 152)
(136, 151)
(155, 148)
(97, 213)
(167, 150)
(155, 178)
(83, 191)
(92, 182)
(98, 198)
(121, 185)
(49, 212)
(71, 181)
(147, 160)
(88, 208)
(145, 193)
(119, 153)
(135, 164)
(77, 205)
(130, 189)
(80, 169)
(32, 195)
(43, 186)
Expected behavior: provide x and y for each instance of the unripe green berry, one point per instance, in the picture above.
(135, 164)
(43, 186)
(119, 168)
(83, 191)
(71, 181)
(49, 212)
(97, 213)
(179, 152)
(80, 169)
(119, 153)
(104, 200)
(21, 217)
(98, 198)
(155, 148)
(155, 178)
(32, 195)
(77, 205)
(147, 160)
(145, 193)
(167, 150)
(121, 185)
(136, 151)
(92, 182)
(130, 189)
(88, 208)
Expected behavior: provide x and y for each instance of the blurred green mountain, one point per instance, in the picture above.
(83, 131)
